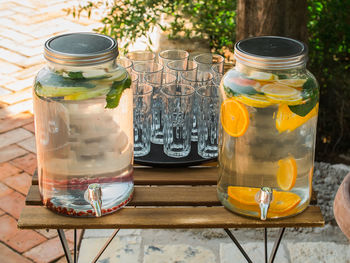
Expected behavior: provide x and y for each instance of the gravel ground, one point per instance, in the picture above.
(326, 181)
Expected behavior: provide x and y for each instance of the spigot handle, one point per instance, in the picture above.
(95, 198)
(264, 198)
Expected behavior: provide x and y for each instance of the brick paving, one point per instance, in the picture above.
(24, 27)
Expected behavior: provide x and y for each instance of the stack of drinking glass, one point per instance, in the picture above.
(175, 101)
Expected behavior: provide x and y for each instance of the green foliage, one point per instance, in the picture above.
(329, 52)
(131, 19)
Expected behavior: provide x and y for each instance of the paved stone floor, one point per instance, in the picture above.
(24, 27)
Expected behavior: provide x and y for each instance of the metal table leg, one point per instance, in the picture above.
(65, 245)
(229, 233)
(265, 244)
(274, 249)
(276, 245)
(75, 246)
(105, 245)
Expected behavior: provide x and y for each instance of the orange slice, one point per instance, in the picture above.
(286, 173)
(286, 120)
(244, 195)
(244, 198)
(234, 117)
(311, 173)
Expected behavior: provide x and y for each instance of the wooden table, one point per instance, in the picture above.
(165, 198)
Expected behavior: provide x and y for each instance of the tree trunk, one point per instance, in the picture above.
(286, 18)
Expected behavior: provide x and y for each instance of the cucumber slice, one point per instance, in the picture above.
(54, 85)
(89, 74)
(88, 93)
(117, 76)
(47, 91)
(96, 74)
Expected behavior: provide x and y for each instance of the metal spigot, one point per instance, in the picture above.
(264, 198)
(95, 198)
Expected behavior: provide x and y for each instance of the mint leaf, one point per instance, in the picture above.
(237, 89)
(248, 90)
(309, 93)
(115, 93)
(76, 75)
(282, 76)
(229, 93)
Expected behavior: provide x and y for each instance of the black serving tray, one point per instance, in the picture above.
(157, 158)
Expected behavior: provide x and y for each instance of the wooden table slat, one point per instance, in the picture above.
(38, 217)
(164, 195)
(157, 196)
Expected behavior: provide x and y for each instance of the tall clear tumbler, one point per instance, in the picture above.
(142, 119)
(207, 118)
(196, 79)
(177, 67)
(205, 62)
(166, 56)
(141, 56)
(157, 80)
(143, 68)
(125, 63)
(177, 108)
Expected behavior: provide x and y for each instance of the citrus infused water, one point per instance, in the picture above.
(267, 139)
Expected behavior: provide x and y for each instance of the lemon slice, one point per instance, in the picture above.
(88, 93)
(262, 76)
(257, 101)
(296, 83)
(279, 90)
(295, 100)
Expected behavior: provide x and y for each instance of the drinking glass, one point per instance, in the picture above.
(125, 63)
(178, 66)
(143, 68)
(157, 80)
(141, 56)
(218, 72)
(166, 56)
(177, 108)
(207, 60)
(142, 119)
(134, 81)
(207, 118)
(196, 80)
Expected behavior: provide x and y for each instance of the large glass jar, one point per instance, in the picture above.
(269, 107)
(83, 124)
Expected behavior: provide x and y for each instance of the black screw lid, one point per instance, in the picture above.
(81, 49)
(271, 52)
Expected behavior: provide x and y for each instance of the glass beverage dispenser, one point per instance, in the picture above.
(83, 124)
(268, 115)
